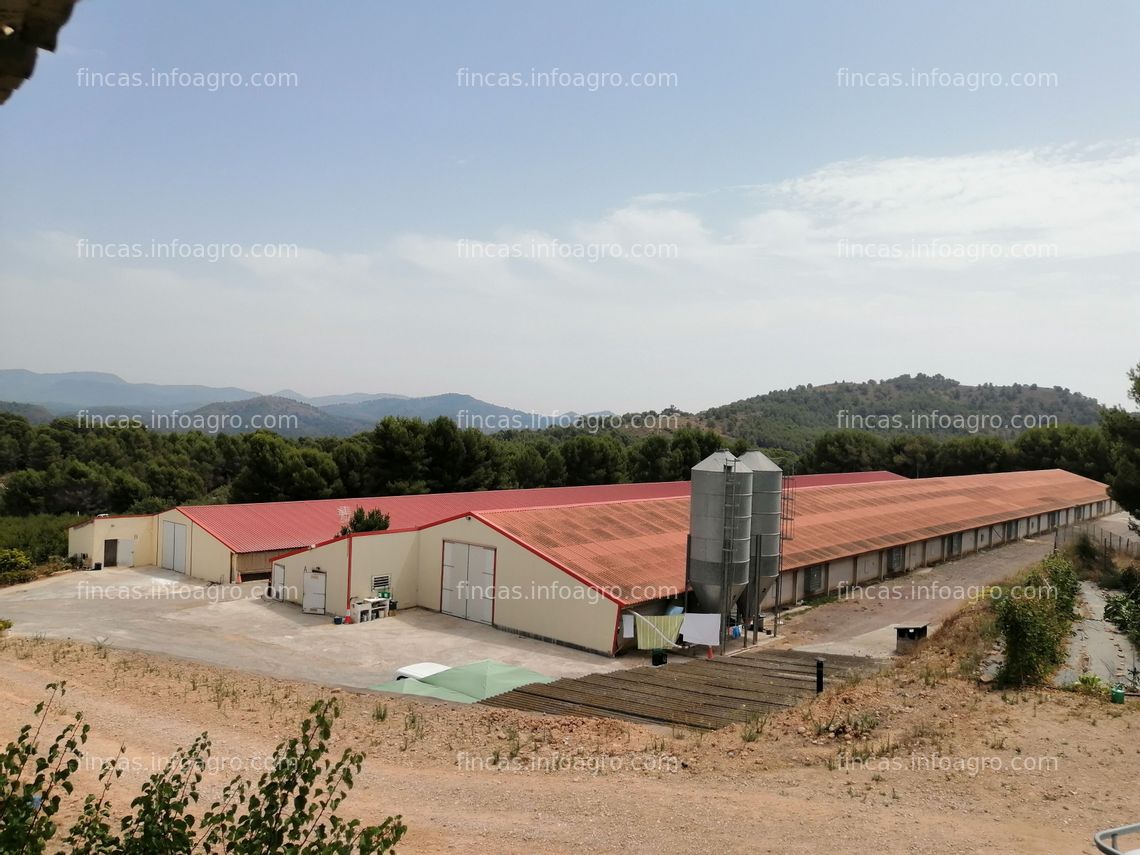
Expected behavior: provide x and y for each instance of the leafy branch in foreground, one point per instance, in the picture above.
(291, 809)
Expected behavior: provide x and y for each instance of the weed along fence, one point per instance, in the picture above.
(699, 693)
(1100, 537)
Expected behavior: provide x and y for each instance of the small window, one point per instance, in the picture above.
(381, 583)
(814, 581)
(952, 545)
(895, 559)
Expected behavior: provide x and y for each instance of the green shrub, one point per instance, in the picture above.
(292, 808)
(1061, 581)
(40, 536)
(1085, 552)
(14, 561)
(15, 567)
(1123, 611)
(1092, 685)
(1036, 627)
(1130, 579)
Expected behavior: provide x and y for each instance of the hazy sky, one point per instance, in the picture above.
(760, 217)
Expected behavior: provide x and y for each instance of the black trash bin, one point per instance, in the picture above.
(659, 657)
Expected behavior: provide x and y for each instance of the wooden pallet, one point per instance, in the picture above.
(697, 693)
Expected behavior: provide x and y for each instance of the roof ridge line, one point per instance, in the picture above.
(580, 505)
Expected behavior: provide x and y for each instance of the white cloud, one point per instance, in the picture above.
(766, 299)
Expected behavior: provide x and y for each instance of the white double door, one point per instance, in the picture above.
(173, 546)
(468, 581)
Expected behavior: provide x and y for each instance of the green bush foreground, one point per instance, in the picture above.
(291, 809)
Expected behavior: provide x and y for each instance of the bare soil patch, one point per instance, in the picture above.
(917, 758)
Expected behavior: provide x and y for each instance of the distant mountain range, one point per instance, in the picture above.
(788, 418)
(99, 398)
(61, 393)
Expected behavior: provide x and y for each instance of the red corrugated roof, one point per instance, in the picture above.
(623, 547)
(836, 522)
(833, 478)
(270, 526)
(628, 549)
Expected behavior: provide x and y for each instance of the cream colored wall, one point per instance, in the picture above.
(791, 587)
(394, 554)
(81, 539)
(840, 572)
(90, 538)
(579, 615)
(331, 558)
(208, 558)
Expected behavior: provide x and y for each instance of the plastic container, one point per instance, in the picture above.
(1118, 693)
(338, 620)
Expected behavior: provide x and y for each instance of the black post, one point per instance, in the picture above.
(818, 676)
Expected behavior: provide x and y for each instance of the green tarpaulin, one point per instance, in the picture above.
(467, 684)
(485, 679)
(411, 686)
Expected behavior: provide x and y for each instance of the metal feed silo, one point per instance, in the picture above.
(720, 530)
(767, 495)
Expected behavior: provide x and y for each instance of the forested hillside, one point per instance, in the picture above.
(62, 468)
(793, 418)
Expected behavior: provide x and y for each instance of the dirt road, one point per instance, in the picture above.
(861, 622)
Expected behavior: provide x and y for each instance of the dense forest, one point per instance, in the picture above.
(60, 468)
(794, 418)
